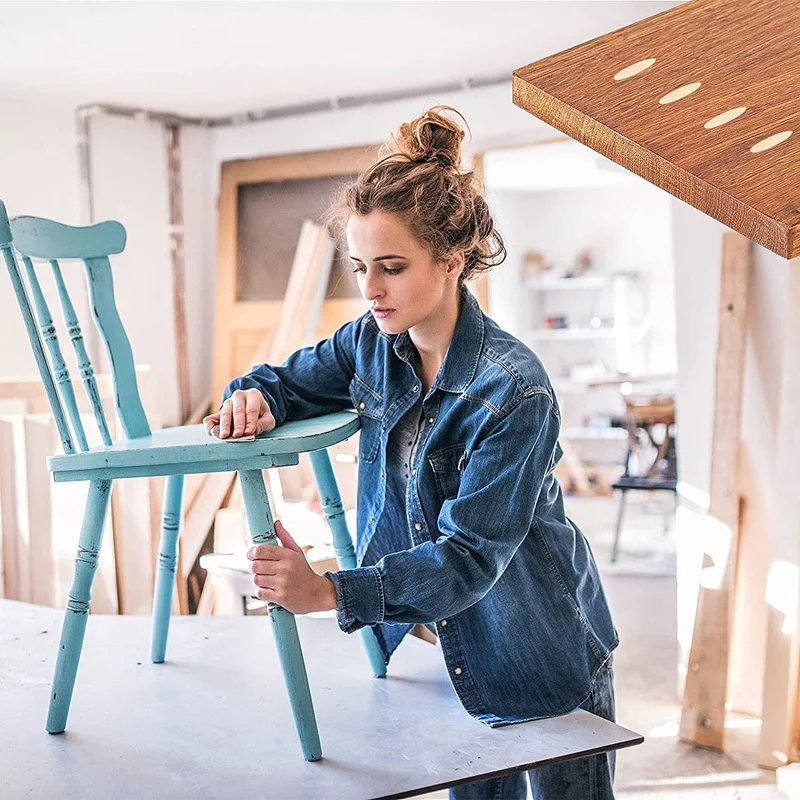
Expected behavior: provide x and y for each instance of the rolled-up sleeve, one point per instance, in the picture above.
(312, 381)
(479, 530)
(359, 597)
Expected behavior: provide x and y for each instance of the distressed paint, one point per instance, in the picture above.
(59, 367)
(173, 452)
(77, 613)
(84, 363)
(167, 561)
(189, 444)
(118, 347)
(33, 336)
(343, 543)
(284, 627)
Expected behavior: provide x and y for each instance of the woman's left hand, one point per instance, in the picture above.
(282, 575)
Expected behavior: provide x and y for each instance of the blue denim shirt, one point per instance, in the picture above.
(482, 546)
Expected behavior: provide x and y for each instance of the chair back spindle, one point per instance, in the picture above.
(41, 239)
(84, 363)
(33, 335)
(47, 330)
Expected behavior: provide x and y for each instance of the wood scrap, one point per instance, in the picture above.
(9, 514)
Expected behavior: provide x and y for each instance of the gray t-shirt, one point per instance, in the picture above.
(401, 450)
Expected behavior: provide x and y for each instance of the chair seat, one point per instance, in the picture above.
(188, 449)
(643, 482)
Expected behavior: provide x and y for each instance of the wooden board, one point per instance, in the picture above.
(9, 512)
(705, 692)
(47, 516)
(744, 54)
(222, 694)
(40, 438)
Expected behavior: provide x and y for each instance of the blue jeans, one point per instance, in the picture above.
(589, 778)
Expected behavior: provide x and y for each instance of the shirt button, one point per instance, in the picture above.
(457, 670)
(372, 519)
(443, 622)
(413, 472)
(383, 475)
(431, 419)
(415, 389)
(418, 526)
(362, 405)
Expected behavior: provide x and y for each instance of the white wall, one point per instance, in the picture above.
(492, 118)
(38, 176)
(626, 227)
(129, 183)
(766, 535)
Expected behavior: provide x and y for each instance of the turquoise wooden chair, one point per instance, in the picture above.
(173, 452)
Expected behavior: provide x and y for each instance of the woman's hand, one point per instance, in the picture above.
(282, 575)
(245, 413)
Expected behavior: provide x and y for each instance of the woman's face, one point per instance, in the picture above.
(397, 275)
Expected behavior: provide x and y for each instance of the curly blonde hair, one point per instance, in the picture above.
(418, 176)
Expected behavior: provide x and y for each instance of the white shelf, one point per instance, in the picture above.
(602, 434)
(576, 386)
(558, 284)
(571, 333)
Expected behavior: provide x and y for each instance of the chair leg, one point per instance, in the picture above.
(615, 548)
(77, 612)
(284, 627)
(343, 543)
(167, 562)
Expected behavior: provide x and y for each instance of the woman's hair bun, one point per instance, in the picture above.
(418, 176)
(433, 137)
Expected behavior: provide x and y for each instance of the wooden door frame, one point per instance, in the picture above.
(265, 169)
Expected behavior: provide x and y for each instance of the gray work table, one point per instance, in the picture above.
(214, 721)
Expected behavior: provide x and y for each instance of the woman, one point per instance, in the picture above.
(461, 521)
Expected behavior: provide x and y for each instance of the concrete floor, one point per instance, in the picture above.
(641, 590)
(647, 699)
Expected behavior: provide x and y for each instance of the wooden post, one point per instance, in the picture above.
(176, 248)
(703, 714)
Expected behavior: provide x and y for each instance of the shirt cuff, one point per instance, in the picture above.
(359, 597)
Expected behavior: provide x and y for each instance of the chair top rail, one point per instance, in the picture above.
(44, 238)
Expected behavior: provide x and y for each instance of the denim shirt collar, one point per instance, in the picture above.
(461, 359)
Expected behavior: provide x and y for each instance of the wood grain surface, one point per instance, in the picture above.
(744, 54)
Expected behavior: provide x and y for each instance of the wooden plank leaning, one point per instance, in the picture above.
(703, 712)
(300, 311)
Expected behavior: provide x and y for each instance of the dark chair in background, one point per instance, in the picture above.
(651, 460)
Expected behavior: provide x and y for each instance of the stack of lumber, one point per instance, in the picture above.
(296, 328)
(40, 520)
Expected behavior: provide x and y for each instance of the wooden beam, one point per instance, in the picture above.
(177, 256)
(703, 713)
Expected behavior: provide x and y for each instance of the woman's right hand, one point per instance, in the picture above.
(245, 413)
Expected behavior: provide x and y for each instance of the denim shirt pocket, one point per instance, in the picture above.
(448, 464)
(369, 405)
